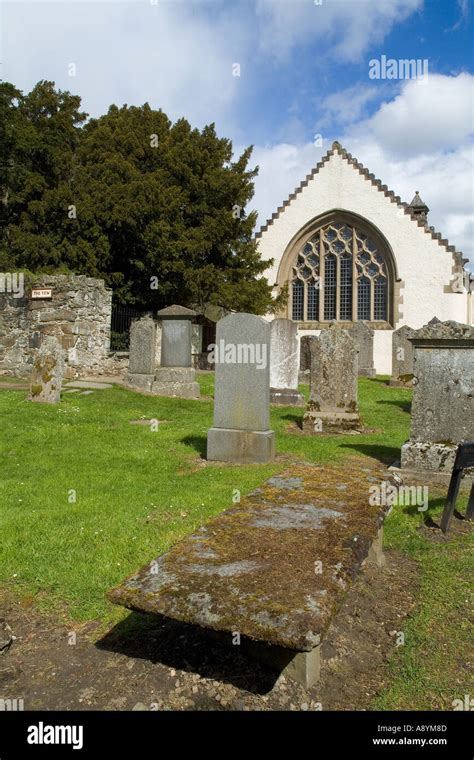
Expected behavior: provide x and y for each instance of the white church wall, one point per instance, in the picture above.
(424, 266)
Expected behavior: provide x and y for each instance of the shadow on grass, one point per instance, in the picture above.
(384, 454)
(183, 646)
(197, 442)
(404, 404)
(295, 417)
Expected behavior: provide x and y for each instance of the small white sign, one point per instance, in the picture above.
(42, 293)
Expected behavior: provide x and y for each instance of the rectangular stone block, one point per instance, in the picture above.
(240, 446)
(140, 381)
(176, 381)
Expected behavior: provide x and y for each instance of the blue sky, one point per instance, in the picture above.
(303, 72)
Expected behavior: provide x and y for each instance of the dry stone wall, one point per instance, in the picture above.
(78, 314)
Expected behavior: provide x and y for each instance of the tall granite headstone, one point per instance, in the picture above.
(141, 370)
(284, 363)
(442, 413)
(364, 338)
(402, 357)
(333, 405)
(241, 431)
(48, 372)
(175, 376)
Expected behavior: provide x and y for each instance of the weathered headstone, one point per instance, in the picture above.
(141, 370)
(402, 357)
(242, 391)
(332, 405)
(175, 376)
(48, 372)
(364, 338)
(284, 363)
(442, 413)
(305, 359)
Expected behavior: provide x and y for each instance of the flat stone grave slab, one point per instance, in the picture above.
(274, 568)
(89, 384)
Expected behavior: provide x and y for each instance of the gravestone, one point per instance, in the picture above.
(48, 372)
(241, 431)
(141, 370)
(402, 357)
(442, 412)
(333, 405)
(284, 363)
(364, 338)
(305, 359)
(175, 376)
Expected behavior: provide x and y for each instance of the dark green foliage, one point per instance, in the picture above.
(156, 209)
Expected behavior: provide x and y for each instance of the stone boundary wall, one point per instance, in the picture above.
(78, 314)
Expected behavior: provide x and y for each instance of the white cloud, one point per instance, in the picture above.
(420, 153)
(426, 116)
(169, 54)
(346, 27)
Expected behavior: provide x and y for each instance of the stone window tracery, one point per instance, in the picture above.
(339, 274)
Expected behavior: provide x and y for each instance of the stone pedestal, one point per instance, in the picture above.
(241, 355)
(175, 381)
(332, 406)
(243, 446)
(175, 375)
(442, 412)
(284, 363)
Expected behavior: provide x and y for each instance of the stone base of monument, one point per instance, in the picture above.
(286, 397)
(240, 446)
(428, 456)
(139, 381)
(330, 422)
(175, 381)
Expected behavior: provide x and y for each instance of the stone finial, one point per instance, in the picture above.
(418, 207)
(336, 145)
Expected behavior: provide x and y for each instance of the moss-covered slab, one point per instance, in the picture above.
(274, 568)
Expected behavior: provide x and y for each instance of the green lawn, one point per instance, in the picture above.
(138, 491)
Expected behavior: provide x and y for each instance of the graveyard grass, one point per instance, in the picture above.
(137, 492)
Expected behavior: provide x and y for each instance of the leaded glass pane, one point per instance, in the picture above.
(345, 304)
(380, 298)
(298, 289)
(363, 298)
(313, 300)
(330, 288)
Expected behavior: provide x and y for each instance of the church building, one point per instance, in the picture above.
(349, 249)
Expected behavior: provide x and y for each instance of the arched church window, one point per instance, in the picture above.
(340, 274)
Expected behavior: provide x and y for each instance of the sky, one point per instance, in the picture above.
(286, 76)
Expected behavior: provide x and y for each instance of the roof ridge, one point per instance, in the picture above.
(375, 182)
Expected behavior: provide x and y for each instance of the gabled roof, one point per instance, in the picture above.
(408, 209)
